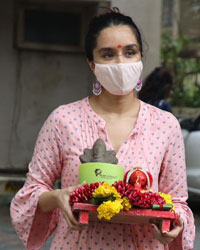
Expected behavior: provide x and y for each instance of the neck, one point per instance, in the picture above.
(107, 103)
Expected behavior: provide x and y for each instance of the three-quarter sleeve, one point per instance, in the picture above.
(173, 180)
(32, 225)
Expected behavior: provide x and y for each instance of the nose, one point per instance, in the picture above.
(119, 59)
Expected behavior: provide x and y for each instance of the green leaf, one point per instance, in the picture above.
(185, 90)
(100, 199)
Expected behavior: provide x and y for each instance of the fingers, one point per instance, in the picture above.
(66, 208)
(70, 223)
(71, 189)
(178, 222)
(166, 238)
(155, 222)
(69, 217)
(177, 228)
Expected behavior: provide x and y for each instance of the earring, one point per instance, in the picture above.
(96, 88)
(139, 85)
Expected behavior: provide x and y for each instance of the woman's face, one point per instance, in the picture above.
(117, 44)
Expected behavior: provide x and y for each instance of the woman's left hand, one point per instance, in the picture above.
(166, 238)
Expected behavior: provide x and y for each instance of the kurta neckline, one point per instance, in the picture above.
(101, 122)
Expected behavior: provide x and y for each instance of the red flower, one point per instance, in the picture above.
(83, 194)
(136, 197)
(145, 200)
(124, 189)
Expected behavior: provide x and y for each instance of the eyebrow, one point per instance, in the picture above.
(107, 49)
(131, 46)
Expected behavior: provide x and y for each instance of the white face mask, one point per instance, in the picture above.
(118, 78)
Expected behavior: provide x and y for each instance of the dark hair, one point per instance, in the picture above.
(98, 23)
(155, 85)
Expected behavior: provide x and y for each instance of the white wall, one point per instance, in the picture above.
(32, 84)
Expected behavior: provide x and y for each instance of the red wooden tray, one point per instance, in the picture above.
(88, 212)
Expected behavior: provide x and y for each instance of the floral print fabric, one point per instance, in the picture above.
(155, 144)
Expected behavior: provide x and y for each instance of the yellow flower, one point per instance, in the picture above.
(126, 204)
(109, 208)
(168, 199)
(106, 190)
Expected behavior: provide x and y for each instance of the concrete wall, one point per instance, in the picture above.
(8, 78)
(32, 84)
(147, 16)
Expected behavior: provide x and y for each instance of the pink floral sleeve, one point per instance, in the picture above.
(173, 180)
(32, 225)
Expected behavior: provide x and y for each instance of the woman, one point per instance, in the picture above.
(157, 88)
(140, 134)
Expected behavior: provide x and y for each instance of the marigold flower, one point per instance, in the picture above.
(105, 190)
(168, 199)
(109, 208)
(126, 204)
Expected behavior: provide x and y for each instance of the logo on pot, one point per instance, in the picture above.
(98, 171)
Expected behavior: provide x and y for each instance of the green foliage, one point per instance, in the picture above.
(100, 199)
(185, 69)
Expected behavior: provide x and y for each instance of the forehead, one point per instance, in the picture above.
(116, 35)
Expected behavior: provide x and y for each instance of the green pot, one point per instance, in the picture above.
(100, 172)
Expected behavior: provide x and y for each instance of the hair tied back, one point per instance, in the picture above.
(115, 9)
(111, 10)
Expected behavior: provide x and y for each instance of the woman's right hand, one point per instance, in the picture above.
(59, 198)
(62, 200)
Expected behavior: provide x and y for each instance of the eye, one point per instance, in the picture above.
(130, 53)
(108, 55)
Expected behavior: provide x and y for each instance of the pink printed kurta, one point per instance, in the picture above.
(155, 144)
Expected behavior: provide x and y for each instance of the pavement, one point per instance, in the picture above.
(10, 241)
(8, 237)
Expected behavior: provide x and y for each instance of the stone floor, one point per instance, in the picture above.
(10, 241)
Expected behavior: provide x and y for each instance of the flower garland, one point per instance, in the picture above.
(111, 199)
(168, 199)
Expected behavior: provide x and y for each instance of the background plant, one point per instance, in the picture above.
(180, 58)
